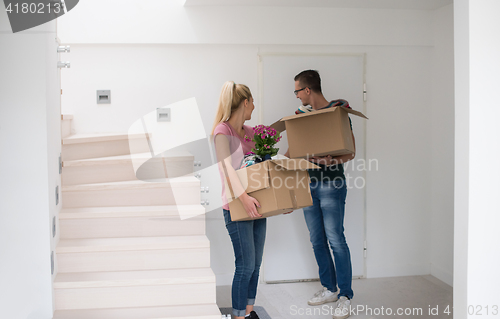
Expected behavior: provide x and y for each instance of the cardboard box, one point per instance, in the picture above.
(319, 133)
(279, 185)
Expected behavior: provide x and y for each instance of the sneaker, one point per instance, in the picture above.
(252, 315)
(343, 308)
(322, 296)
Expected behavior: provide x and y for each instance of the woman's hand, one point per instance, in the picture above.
(250, 203)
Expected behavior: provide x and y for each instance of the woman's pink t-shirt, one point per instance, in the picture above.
(238, 148)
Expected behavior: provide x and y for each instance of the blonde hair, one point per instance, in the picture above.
(231, 96)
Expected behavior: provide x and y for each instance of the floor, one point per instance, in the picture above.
(405, 297)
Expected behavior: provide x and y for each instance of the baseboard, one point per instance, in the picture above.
(442, 274)
(377, 271)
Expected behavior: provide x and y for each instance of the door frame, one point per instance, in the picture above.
(260, 82)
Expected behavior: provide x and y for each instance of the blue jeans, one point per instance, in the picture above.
(325, 221)
(248, 239)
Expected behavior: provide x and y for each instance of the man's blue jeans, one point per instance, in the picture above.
(248, 239)
(325, 221)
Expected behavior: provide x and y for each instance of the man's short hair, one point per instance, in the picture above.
(310, 79)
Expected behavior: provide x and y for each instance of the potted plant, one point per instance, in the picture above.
(265, 137)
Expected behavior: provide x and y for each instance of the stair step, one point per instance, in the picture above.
(66, 125)
(207, 311)
(99, 137)
(153, 221)
(178, 156)
(176, 191)
(129, 167)
(186, 181)
(131, 211)
(132, 243)
(85, 146)
(151, 288)
(140, 253)
(133, 278)
(127, 260)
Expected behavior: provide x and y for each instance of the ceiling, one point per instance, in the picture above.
(377, 4)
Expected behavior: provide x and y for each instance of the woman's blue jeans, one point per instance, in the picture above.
(325, 221)
(248, 239)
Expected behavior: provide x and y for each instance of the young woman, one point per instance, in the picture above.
(235, 107)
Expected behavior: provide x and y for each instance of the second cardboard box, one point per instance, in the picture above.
(280, 185)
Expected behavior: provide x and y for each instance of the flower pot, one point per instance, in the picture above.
(260, 160)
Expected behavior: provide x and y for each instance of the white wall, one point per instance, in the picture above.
(399, 45)
(144, 77)
(398, 136)
(30, 146)
(477, 254)
(165, 21)
(442, 154)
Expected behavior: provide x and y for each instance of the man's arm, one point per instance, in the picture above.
(347, 157)
(333, 160)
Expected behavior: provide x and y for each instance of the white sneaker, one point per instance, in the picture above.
(343, 308)
(322, 296)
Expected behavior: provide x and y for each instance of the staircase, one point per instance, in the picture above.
(124, 252)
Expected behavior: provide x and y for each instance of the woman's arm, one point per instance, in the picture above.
(233, 182)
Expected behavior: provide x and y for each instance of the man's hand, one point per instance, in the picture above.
(250, 205)
(323, 160)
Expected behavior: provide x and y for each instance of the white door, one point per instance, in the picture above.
(288, 254)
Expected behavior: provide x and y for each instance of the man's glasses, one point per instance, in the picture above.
(297, 91)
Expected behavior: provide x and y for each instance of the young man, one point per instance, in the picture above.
(325, 218)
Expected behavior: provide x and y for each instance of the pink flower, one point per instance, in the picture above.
(263, 136)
